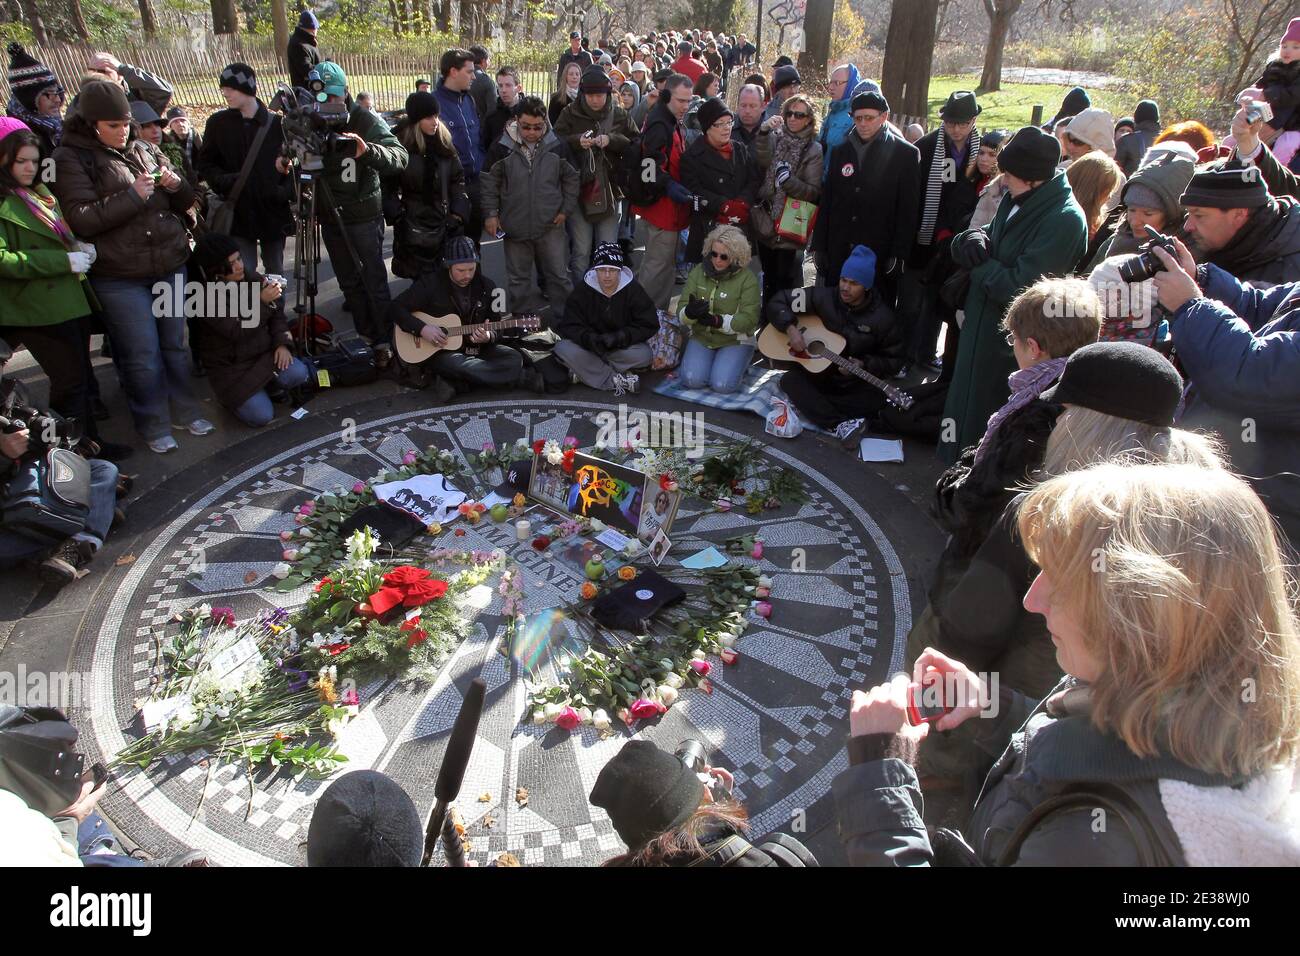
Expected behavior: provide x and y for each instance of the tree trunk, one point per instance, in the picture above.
(909, 54)
(224, 18)
(444, 16)
(148, 21)
(78, 21)
(32, 15)
(817, 25)
(1000, 16)
(280, 23)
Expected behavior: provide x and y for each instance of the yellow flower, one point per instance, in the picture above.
(519, 500)
(626, 572)
(589, 590)
(325, 688)
(434, 528)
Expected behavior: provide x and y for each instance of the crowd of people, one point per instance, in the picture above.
(1119, 306)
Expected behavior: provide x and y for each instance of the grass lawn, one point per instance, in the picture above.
(1013, 105)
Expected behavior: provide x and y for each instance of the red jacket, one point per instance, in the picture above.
(663, 212)
(688, 66)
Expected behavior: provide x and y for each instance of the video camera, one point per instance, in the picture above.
(46, 430)
(312, 124)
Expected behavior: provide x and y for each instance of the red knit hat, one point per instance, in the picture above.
(1292, 34)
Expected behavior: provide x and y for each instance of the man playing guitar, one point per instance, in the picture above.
(873, 342)
(460, 289)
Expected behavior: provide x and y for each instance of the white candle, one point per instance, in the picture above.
(523, 528)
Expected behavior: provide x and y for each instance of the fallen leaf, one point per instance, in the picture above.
(521, 796)
(250, 577)
(125, 560)
(485, 797)
(507, 859)
(488, 823)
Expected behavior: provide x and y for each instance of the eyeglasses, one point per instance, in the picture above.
(798, 115)
(720, 255)
(1011, 339)
(723, 124)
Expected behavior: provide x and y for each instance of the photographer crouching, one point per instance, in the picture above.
(666, 813)
(56, 507)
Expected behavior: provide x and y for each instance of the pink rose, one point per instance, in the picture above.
(408, 458)
(488, 447)
(758, 550)
(701, 667)
(729, 655)
(307, 507)
(723, 504)
(570, 441)
(358, 487)
(643, 709)
(290, 555)
(568, 718)
(286, 535)
(762, 592)
(350, 699)
(764, 609)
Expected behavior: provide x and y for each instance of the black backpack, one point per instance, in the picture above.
(778, 850)
(630, 176)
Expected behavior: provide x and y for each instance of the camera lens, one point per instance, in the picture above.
(693, 755)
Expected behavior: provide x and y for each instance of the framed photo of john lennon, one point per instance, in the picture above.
(595, 488)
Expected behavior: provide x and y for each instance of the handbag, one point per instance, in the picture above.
(429, 237)
(796, 220)
(221, 212)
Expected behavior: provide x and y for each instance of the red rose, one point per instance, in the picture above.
(541, 542)
(337, 649)
(644, 709)
(422, 592)
(405, 575)
(568, 719)
(538, 446)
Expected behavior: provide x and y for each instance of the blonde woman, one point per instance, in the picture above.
(790, 158)
(1166, 599)
(1094, 177)
(413, 200)
(720, 305)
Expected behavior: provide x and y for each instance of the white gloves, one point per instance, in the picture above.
(89, 250)
(80, 262)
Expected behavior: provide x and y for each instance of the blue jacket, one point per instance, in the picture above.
(457, 110)
(839, 118)
(1240, 347)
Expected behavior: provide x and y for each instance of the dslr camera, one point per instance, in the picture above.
(312, 125)
(1144, 265)
(46, 430)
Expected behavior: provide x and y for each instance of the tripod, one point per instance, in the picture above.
(307, 242)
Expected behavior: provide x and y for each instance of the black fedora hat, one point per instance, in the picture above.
(961, 107)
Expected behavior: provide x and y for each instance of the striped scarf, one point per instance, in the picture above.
(52, 125)
(46, 211)
(934, 186)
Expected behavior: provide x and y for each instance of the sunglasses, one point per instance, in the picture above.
(794, 115)
(720, 255)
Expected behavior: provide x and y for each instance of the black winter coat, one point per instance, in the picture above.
(715, 179)
(432, 295)
(263, 211)
(872, 331)
(957, 198)
(413, 204)
(628, 315)
(494, 124)
(302, 56)
(240, 359)
(873, 201)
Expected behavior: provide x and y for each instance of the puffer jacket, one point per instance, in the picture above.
(359, 194)
(628, 313)
(135, 238)
(596, 164)
(1055, 750)
(527, 196)
(734, 296)
(804, 156)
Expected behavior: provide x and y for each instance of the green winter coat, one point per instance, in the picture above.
(37, 284)
(358, 195)
(1045, 238)
(736, 296)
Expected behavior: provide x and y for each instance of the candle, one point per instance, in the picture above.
(523, 528)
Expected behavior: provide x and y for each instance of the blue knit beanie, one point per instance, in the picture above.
(308, 20)
(860, 266)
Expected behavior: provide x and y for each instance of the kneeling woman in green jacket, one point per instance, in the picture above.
(42, 279)
(720, 306)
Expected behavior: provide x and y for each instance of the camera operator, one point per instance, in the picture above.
(351, 201)
(1234, 223)
(262, 215)
(1240, 347)
(665, 813)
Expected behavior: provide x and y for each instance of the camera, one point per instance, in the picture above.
(692, 755)
(926, 702)
(1144, 265)
(46, 430)
(312, 127)
(1257, 110)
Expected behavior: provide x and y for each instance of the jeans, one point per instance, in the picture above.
(524, 258)
(257, 411)
(149, 353)
(586, 235)
(16, 547)
(721, 369)
(272, 255)
(656, 272)
(497, 366)
(364, 281)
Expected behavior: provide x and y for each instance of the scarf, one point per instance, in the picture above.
(789, 148)
(47, 212)
(934, 185)
(52, 125)
(717, 275)
(1026, 385)
(724, 151)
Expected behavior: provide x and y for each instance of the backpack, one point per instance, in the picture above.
(779, 850)
(668, 342)
(629, 177)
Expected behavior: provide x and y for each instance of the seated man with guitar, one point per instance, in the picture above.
(849, 327)
(446, 317)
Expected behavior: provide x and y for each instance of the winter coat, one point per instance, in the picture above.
(302, 56)
(873, 331)
(432, 295)
(483, 91)
(190, 146)
(1281, 85)
(1240, 347)
(664, 141)
(804, 156)
(838, 121)
(582, 58)
(458, 112)
(1134, 146)
(870, 197)
(557, 103)
(629, 314)
(37, 284)
(145, 87)
(263, 211)
(735, 297)
(528, 196)
(135, 238)
(1279, 180)
(416, 196)
(1056, 748)
(1167, 176)
(1266, 249)
(495, 123)
(240, 357)
(596, 164)
(360, 195)
(689, 66)
(714, 178)
(1046, 236)
(957, 199)
(990, 198)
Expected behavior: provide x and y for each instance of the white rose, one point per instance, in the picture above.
(698, 654)
(280, 571)
(667, 695)
(600, 719)
(597, 525)
(552, 711)
(727, 640)
(674, 680)
(764, 581)
(539, 717)
(585, 714)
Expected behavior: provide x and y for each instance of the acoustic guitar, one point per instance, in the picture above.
(415, 349)
(822, 350)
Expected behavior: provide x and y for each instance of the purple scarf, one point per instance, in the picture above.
(1026, 385)
(46, 210)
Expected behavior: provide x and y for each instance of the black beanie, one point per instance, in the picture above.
(365, 819)
(239, 76)
(595, 80)
(210, 255)
(28, 75)
(1075, 102)
(1124, 379)
(646, 792)
(1030, 154)
(1148, 111)
(421, 105)
(784, 76)
(710, 111)
(608, 255)
(1226, 187)
(100, 100)
(868, 100)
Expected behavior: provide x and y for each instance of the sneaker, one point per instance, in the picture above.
(850, 433)
(163, 445)
(65, 565)
(200, 426)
